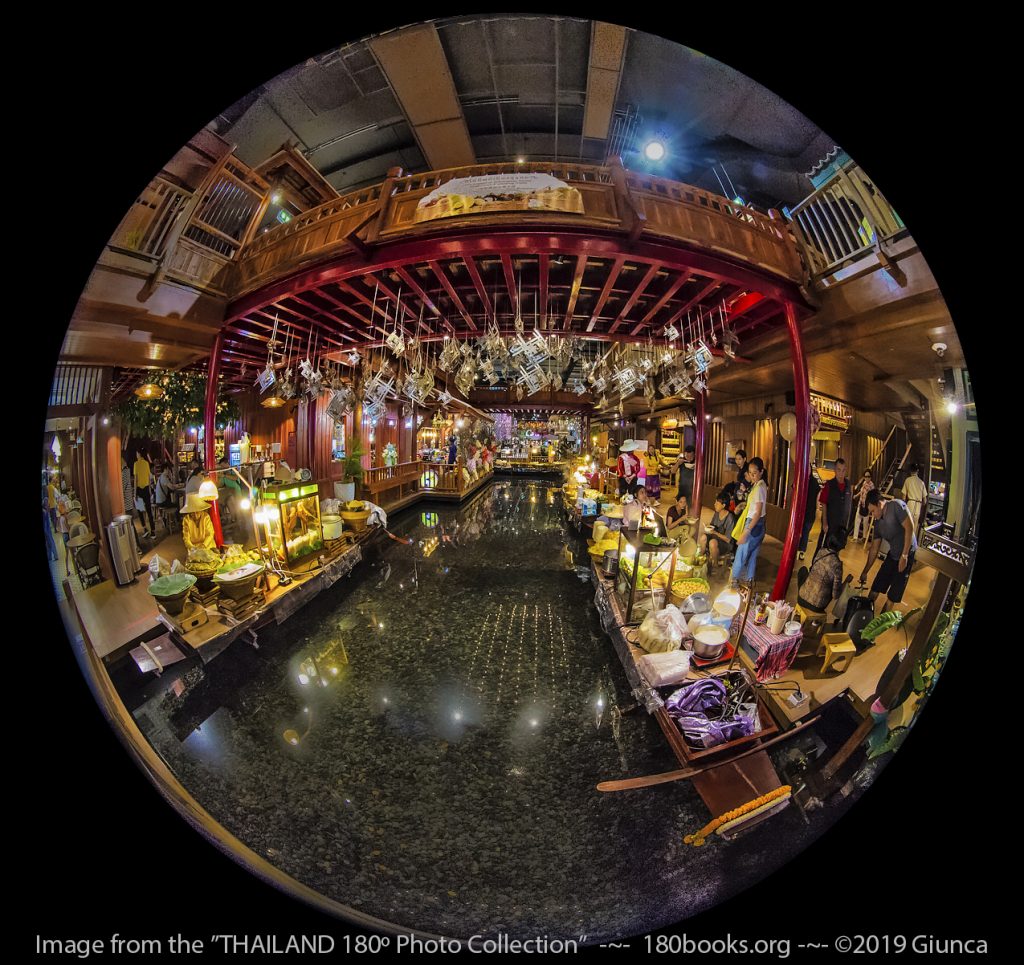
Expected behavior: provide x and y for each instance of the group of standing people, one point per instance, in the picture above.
(635, 468)
(144, 487)
(893, 537)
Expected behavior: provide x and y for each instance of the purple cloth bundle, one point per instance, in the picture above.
(698, 697)
(689, 708)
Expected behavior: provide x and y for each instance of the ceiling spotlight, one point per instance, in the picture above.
(939, 348)
(951, 407)
(275, 198)
(654, 150)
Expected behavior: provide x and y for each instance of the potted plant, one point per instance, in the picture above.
(352, 472)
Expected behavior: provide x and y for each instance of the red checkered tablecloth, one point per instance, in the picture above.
(775, 651)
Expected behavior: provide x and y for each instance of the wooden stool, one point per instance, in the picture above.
(837, 646)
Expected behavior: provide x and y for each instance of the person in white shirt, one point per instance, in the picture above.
(915, 494)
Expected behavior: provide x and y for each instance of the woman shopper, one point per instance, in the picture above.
(750, 528)
(860, 514)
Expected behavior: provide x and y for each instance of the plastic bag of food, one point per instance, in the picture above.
(330, 507)
(662, 631)
(661, 669)
(158, 567)
(176, 567)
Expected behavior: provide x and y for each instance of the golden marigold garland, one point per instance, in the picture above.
(759, 803)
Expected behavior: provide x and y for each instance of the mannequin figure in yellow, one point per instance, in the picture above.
(197, 527)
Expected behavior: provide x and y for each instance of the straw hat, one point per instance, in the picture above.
(193, 504)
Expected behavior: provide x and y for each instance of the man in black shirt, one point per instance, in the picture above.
(836, 502)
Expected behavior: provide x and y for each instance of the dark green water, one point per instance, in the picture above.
(423, 741)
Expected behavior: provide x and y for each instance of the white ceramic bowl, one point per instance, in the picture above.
(792, 628)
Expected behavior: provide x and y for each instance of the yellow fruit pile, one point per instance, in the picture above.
(683, 588)
(601, 546)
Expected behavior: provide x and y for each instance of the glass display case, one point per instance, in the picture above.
(291, 514)
(651, 567)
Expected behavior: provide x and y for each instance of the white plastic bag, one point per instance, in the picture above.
(158, 567)
(662, 631)
(661, 669)
(176, 566)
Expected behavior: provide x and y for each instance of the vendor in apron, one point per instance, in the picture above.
(196, 525)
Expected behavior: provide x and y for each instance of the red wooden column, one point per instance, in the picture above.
(210, 428)
(801, 453)
(698, 442)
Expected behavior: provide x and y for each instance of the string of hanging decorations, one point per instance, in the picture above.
(401, 367)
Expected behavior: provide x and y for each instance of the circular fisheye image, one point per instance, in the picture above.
(512, 476)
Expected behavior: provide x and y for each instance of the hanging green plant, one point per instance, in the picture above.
(182, 403)
(886, 621)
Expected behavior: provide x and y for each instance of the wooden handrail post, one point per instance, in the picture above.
(373, 232)
(630, 216)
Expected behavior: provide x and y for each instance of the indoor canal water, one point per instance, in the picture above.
(422, 742)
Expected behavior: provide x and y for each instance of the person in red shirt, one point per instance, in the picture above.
(836, 502)
(628, 468)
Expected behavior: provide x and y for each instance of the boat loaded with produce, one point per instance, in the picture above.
(678, 646)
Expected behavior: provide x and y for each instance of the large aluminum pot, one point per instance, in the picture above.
(709, 641)
(611, 562)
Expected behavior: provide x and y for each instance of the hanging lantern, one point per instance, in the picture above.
(149, 390)
(272, 402)
(787, 426)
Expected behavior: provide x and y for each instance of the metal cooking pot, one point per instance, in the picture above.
(709, 641)
(611, 562)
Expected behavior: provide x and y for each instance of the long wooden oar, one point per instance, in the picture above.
(667, 777)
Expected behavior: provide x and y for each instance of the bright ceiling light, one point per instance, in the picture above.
(654, 150)
(951, 407)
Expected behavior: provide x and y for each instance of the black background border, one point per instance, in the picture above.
(107, 853)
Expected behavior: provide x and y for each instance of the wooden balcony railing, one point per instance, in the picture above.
(391, 477)
(400, 481)
(841, 221)
(613, 199)
(443, 478)
(207, 237)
